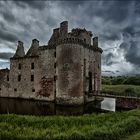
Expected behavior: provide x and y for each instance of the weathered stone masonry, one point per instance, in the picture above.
(66, 71)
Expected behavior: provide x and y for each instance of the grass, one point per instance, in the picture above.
(121, 90)
(135, 136)
(109, 126)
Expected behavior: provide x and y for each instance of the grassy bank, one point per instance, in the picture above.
(110, 126)
(126, 90)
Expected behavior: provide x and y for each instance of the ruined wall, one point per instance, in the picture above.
(47, 81)
(89, 70)
(4, 82)
(20, 77)
(35, 77)
(69, 70)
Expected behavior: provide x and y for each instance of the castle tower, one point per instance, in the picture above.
(63, 29)
(20, 50)
(69, 83)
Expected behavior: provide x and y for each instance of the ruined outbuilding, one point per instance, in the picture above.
(66, 71)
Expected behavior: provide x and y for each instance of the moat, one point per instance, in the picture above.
(34, 107)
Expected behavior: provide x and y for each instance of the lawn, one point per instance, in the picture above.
(103, 126)
(126, 90)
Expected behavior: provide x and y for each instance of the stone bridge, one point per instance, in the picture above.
(124, 102)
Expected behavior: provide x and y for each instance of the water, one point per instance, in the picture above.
(109, 104)
(33, 107)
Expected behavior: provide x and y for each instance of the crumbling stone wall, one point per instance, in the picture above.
(4, 82)
(67, 70)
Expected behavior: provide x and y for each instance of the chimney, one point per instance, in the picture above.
(35, 43)
(56, 33)
(20, 50)
(33, 51)
(63, 29)
(95, 42)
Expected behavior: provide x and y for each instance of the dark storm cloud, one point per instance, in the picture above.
(132, 52)
(37, 4)
(6, 55)
(7, 36)
(108, 59)
(110, 36)
(113, 21)
(8, 16)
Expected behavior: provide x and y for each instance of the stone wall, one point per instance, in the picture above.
(67, 71)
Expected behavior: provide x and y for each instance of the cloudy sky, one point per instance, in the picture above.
(116, 23)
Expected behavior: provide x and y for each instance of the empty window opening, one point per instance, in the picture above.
(0, 88)
(32, 65)
(55, 78)
(15, 89)
(19, 66)
(84, 67)
(7, 77)
(84, 40)
(32, 77)
(19, 77)
(33, 90)
(54, 65)
(54, 54)
(90, 81)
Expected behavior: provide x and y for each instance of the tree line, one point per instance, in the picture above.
(119, 80)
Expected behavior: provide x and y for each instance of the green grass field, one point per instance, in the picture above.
(131, 90)
(109, 126)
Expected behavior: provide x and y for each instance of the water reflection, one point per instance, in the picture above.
(109, 104)
(32, 107)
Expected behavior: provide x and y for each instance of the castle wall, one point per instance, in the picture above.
(86, 37)
(69, 83)
(4, 82)
(20, 78)
(47, 82)
(89, 64)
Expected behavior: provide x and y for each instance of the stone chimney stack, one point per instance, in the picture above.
(35, 44)
(20, 50)
(95, 42)
(33, 51)
(63, 29)
(56, 32)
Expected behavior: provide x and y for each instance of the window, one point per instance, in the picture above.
(19, 77)
(90, 81)
(54, 54)
(32, 77)
(19, 66)
(55, 78)
(32, 65)
(7, 77)
(0, 88)
(15, 89)
(33, 90)
(54, 65)
(84, 67)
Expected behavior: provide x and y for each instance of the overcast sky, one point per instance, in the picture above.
(116, 23)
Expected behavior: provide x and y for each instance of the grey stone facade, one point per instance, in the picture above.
(66, 71)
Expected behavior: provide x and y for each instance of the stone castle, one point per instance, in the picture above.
(66, 71)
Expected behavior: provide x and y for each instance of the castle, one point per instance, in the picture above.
(66, 71)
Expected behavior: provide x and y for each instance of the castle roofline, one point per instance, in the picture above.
(79, 30)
